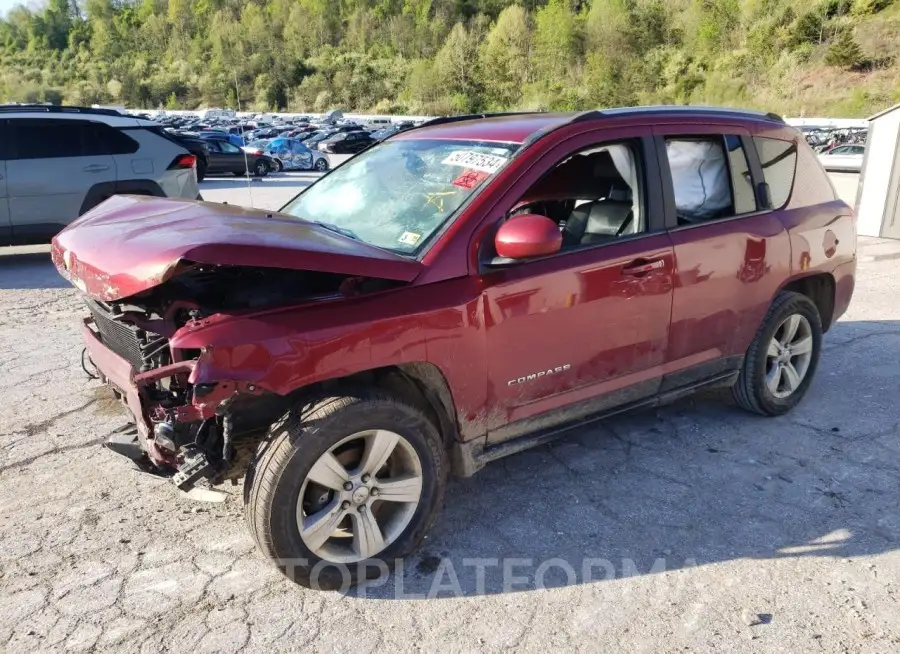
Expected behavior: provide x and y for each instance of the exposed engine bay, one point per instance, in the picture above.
(208, 430)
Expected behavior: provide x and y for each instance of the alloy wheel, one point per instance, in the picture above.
(359, 496)
(788, 356)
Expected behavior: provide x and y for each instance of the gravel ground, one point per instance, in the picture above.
(695, 527)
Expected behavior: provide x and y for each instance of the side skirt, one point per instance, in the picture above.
(469, 458)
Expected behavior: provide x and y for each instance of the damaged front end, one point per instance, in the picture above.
(184, 427)
(156, 271)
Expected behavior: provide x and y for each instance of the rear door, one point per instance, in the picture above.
(55, 164)
(357, 141)
(219, 162)
(730, 251)
(5, 225)
(235, 159)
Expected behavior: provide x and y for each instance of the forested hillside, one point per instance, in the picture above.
(798, 57)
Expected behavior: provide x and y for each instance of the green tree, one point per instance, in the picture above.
(456, 66)
(506, 58)
(555, 40)
(844, 51)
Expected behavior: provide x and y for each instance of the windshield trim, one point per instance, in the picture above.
(424, 248)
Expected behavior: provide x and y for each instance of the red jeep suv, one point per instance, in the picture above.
(455, 294)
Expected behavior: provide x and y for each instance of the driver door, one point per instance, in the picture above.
(584, 330)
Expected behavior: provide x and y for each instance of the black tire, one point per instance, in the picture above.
(321, 165)
(277, 166)
(750, 390)
(260, 168)
(201, 170)
(276, 476)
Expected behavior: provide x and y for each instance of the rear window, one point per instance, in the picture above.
(779, 164)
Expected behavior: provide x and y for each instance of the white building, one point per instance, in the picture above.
(878, 197)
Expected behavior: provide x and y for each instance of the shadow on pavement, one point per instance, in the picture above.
(29, 270)
(690, 484)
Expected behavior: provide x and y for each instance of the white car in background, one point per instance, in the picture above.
(844, 158)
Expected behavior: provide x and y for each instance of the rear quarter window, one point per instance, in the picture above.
(779, 164)
(108, 140)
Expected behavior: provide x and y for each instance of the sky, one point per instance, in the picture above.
(6, 5)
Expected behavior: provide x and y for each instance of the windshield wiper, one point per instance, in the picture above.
(334, 228)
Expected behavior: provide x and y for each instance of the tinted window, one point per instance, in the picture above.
(227, 147)
(741, 180)
(111, 141)
(5, 152)
(46, 139)
(779, 164)
(700, 179)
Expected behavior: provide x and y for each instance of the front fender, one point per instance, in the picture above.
(278, 355)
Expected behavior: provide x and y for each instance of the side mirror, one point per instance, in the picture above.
(526, 236)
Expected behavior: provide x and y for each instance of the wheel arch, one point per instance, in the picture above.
(818, 287)
(421, 384)
(105, 190)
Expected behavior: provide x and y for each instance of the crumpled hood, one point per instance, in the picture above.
(129, 244)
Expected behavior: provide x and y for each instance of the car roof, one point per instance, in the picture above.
(110, 117)
(522, 127)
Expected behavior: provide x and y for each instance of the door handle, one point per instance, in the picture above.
(642, 267)
(95, 168)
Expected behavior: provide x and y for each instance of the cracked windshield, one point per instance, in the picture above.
(398, 194)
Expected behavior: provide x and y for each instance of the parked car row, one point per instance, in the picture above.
(297, 144)
(839, 150)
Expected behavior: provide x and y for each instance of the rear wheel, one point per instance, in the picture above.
(321, 165)
(260, 168)
(343, 487)
(201, 169)
(782, 359)
(277, 166)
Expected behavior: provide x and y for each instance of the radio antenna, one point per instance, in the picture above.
(237, 95)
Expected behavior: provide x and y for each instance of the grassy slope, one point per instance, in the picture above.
(814, 89)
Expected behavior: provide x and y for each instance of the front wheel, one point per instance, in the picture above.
(321, 165)
(343, 487)
(782, 359)
(277, 166)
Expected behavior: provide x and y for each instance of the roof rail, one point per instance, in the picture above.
(443, 120)
(675, 110)
(58, 109)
